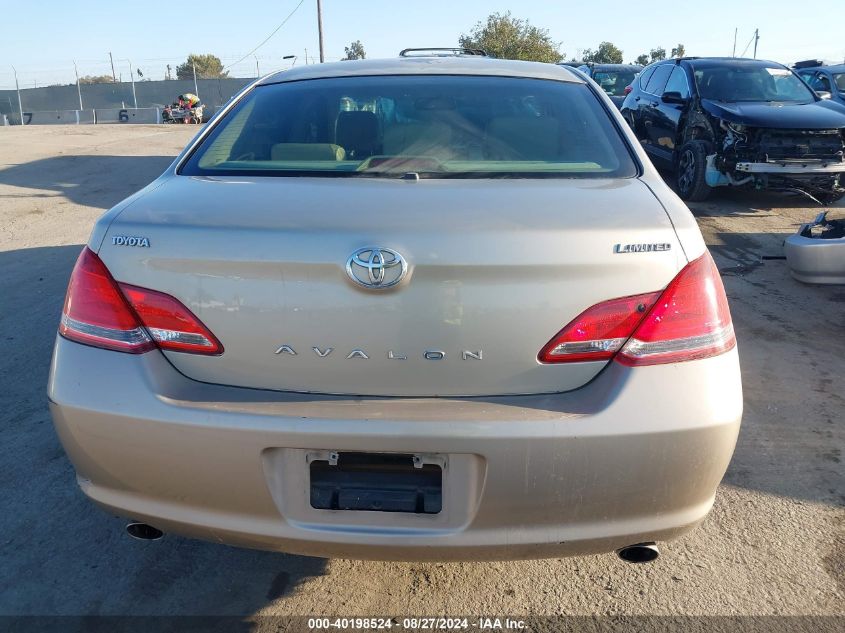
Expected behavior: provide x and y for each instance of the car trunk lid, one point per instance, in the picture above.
(496, 267)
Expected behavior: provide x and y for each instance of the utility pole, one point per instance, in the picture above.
(18, 89)
(78, 89)
(257, 69)
(113, 75)
(756, 38)
(196, 88)
(735, 32)
(320, 28)
(306, 56)
(132, 79)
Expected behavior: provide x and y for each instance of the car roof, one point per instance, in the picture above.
(735, 62)
(614, 66)
(424, 65)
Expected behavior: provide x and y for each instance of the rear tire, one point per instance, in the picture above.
(690, 168)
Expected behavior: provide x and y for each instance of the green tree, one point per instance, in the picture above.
(642, 60)
(679, 51)
(506, 37)
(355, 51)
(606, 53)
(208, 67)
(657, 54)
(96, 79)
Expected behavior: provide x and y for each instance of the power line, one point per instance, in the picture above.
(267, 39)
(749, 44)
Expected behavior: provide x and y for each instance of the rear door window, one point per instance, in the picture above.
(677, 82)
(658, 79)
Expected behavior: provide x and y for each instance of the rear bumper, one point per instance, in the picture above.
(634, 456)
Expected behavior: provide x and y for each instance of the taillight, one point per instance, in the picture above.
(598, 332)
(96, 313)
(628, 89)
(100, 312)
(690, 319)
(171, 325)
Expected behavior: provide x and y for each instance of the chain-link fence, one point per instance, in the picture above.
(70, 93)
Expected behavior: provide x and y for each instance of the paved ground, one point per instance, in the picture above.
(774, 544)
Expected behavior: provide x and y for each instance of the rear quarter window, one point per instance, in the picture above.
(645, 76)
(436, 126)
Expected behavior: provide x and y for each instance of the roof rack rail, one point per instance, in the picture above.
(445, 51)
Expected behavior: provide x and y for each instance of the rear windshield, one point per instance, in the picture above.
(614, 82)
(434, 126)
(839, 80)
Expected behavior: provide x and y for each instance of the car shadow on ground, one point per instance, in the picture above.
(59, 539)
(94, 181)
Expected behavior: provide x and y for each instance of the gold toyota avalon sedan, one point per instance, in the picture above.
(434, 307)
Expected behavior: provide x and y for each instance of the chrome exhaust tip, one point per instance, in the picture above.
(143, 532)
(639, 553)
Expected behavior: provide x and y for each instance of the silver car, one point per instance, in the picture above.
(420, 308)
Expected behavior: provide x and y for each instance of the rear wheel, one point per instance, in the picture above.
(690, 168)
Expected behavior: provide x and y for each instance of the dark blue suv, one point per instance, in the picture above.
(827, 81)
(614, 79)
(738, 122)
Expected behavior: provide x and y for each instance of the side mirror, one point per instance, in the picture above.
(823, 94)
(673, 97)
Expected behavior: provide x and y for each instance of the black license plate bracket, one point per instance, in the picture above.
(376, 482)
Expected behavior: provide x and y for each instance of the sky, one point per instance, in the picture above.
(42, 41)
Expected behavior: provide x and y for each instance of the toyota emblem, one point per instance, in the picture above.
(376, 268)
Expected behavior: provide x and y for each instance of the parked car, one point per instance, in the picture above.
(827, 81)
(614, 79)
(738, 122)
(421, 308)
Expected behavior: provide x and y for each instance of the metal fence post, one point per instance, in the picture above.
(132, 78)
(78, 88)
(18, 89)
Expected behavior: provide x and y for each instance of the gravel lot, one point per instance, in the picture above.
(773, 545)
